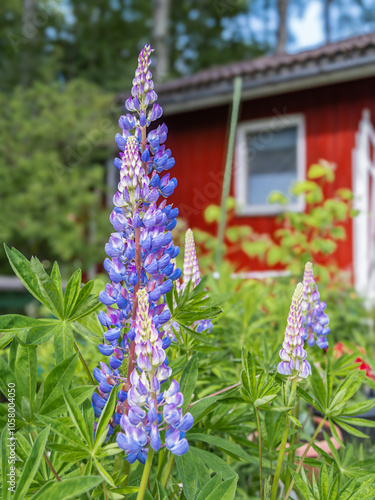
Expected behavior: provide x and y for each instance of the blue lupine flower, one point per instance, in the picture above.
(293, 355)
(315, 320)
(140, 263)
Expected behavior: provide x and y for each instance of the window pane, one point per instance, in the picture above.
(272, 164)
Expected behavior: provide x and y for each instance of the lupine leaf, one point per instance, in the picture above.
(5, 465)
(31, 465)
(62, 430)
(26, 373)
(88, 307)
(104, 473)
(10, 322)
(71, 292)
(77, 418)
(225, 491)
(41, 333)
(83, 295)
(349, 429)
(60, 376)
(230, 448)
(200, 337)
(358, 408)
(323, 481)
(210, 486)
(189, 379)
(300, 484)
(318, 388)
(63, 341)
(105, 416)
(366, 489)
(56, 278)
(67, 488)
(7, 376)
(203, 407)
(57, 406)
(22, 269)
(188, 474)
(47, 287)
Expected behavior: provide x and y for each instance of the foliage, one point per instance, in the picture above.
(55, 414)
(55, 142)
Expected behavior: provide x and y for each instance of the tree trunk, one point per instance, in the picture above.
(327, 24)
(282, 7)
(161, 15)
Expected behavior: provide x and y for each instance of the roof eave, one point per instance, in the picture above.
(220, 93)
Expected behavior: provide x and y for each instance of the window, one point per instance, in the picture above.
(270, 156)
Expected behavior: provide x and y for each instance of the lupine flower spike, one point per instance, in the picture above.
(140, 263)
(293, 355)
(141, 423)
(315, 320)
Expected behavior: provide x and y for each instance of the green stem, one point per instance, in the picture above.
(48, 462)
(146, 474)
(260, 452)
(291, 454)
(168, 470)
(84, 364)
(304, 455)
(279, 464)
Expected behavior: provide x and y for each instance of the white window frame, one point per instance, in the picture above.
(267, 126)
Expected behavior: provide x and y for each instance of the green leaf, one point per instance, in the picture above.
(87, 308)
(225, 491)
(359, 408)
(213, 462)
(210, 486)
(203, 407)
(200, 337)
(60, 376)
(26, 373)
(231, 448)
(300, 484)
(349, 429)
(105, 417)
(188, 474)
(72, 292)
(77, 418)
(41, 333)
(323, 481)
(103, 472)
(63, 341)
(17, 322)
(366, 489)
(67, 488)
(189, 379)
(57, 406)
(31, 465)
(5, 465)
(47, 287)
(62, 430)
(22, 269)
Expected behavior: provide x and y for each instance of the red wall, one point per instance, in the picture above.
(198, 142)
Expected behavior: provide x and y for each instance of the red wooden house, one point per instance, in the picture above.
(296, 109)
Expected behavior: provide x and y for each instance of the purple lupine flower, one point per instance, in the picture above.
(315, 320)
(141, 254)
(293, 355)
(149, 407)
(191, 266)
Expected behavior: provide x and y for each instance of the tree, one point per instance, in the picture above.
(282, 33)
(55, 143)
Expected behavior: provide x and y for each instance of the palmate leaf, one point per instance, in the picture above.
(50, 291)
(213, 462)
(63, 341)
(67, 488)
(228, 447)
(107, 412)
(225, 491)
(26, 368)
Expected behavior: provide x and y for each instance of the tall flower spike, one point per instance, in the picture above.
(315, 320)
(293, 355)
(191, 266)
(141, 424)
(141, 258)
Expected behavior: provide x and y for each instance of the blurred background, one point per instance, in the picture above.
(65, 67)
